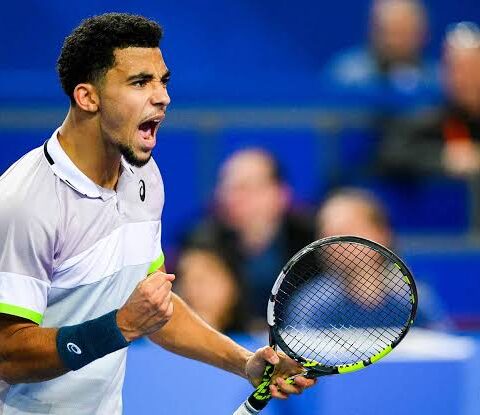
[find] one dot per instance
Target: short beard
(129, 155)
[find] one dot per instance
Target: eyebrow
(166, 76)
(140, 75)
(148, 76)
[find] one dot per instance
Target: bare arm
(28, 353)
(188, 335)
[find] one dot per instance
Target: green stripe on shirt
(155, 265)
(21, 312)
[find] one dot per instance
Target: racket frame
(313, 369)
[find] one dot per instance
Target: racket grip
(245, 409)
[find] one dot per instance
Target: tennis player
(80, 219)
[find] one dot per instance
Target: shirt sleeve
(26, 258)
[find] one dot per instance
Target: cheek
(121, 112)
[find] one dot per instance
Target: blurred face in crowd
(248, 194)
(462, 72)
(398, 29)
(351, 215)
(208, 286)
(358, 216)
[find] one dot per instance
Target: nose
(160, 94)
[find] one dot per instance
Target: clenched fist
(148, 308)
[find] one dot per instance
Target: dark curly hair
(88, 52)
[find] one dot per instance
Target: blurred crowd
(426, 121)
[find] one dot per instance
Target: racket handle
(246, 409)
(252, 405)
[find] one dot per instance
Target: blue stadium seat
(436, 205)
(454, 276)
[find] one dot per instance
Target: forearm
(188, 335)
(28, 353)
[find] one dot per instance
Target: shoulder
(29, 203)
(211, 232)
(28, 190)
(356, 54)
(352, 65)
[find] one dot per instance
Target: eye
(165, 81)
(140, 82)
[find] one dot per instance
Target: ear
(86, 97)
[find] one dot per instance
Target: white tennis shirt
(72, 251)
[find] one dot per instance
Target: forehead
(462, 63)
(344, 210)
(133, 60)
(395, 13)
(247, 167)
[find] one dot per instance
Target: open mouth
(149, 128)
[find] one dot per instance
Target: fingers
(158, 277)
(304, 382)
(154, 292)
(270, 355)
(148, 308)
(277, 393)
(283, 387)
(287, 387)
(157, 288)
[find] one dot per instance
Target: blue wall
(219, 52)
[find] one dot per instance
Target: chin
(135, 159)
(139, 161)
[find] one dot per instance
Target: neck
(474, 109)
(81, 138)
(256, 237)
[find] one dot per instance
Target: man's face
(247, 193)
(133, 100)
(208, 286)
(348, 216)
(399, 30)
(462, 76)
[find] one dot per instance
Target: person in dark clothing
(209, 284)
(254, 225)
(357, 212)
(445, 140)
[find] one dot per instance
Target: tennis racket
(339, 305)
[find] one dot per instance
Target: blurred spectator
(252, 222)
(357, 212)
(389, 73)
(445, 141)
(208, 283)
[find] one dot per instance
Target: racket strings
(342, 303)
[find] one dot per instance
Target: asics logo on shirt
(142, 190)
